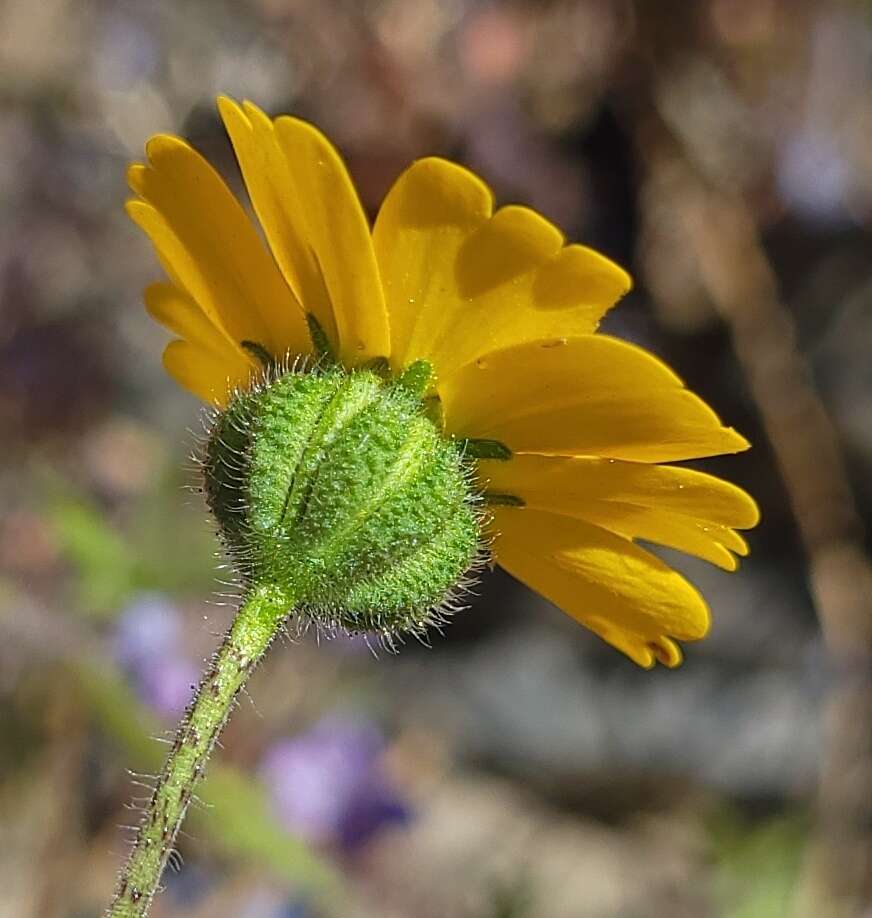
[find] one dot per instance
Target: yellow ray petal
(677, 507)
(315, 225)
(673, 530)
(425, 218)
(207, 375)
(460, 282)
(731, 539)
(593, 395)
(176, 311)
(623, 593)
(561, 483)
(211, 248)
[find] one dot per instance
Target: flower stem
(256, 624)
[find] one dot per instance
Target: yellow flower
(506, 314)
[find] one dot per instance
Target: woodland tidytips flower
(493, 318)
(392, 405)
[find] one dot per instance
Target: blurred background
(720, 150)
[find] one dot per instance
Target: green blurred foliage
(112, 560)
(757, 863)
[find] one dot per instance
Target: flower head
(489, 319)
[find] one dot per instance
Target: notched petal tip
(604, 267)
(626, 595)
(641, 655)
(667, 652)
(752, 510)
(135, 175)
(596, 395)
(581, 274)
(243, 116)
(644, 652)
(159, 145)
(729, 562)
(434, 190)
(232, 114)
(256, 113)
(738, 443)
(139, 212)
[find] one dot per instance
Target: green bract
(337, 489)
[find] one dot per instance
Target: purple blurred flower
(147, 629)
(814, 177)
(168, 684)
(126, 52)
(147, 647)
(330, 786)
(272, 904)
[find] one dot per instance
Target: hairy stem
(256, 624)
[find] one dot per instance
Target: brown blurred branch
(739, 279)
(742, 284)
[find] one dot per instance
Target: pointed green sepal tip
(494, 499)
(320, 342)
(260, 353)
(416, 378)
(485, 449)
(337, 488)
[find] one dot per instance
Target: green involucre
(336, 488)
